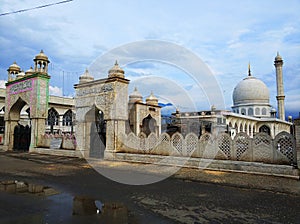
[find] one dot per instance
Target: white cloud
(55, 91)
(225, 34)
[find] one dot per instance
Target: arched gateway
(26, 92)
(101, 112)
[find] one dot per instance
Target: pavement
(235, 179)
(72, 187)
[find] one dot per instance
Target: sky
(224, 35)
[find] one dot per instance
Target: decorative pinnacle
(116, 63)
(249, 70)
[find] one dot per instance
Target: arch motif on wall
(242, 144)
(285, 143)
(225, 144)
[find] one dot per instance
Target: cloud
(225, 35)
(55, 91)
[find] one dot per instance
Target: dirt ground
(38, 188)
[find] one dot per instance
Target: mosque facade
(102, 114)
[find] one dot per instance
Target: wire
(37, 7)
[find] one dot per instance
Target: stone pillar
(115, 130)
(37, 130)
(9, 134)
(280, 90)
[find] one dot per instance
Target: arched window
(243, 111)
(53, 117)
(68, 118)
(264, 111)
(250, 111)
(265, 129)
(149, 125)
(257, 111)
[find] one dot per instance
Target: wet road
(78, 194)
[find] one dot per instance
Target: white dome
(250, 91)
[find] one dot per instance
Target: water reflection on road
(57, 207)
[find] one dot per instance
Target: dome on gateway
(251, 91)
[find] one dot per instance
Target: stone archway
(21, 132)
(109, 95)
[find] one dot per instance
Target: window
(265, 129)
(264, 111)
(68, 118)
(53, 117)
(243, 111)
(250, 111)
(257, 111)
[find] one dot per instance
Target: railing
(260, 148)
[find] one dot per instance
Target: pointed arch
(15, 110)
(68, 118)
(266, 129)
(149, 125)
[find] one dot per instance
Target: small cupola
(152, 100)
(116, 71)
(86, 77)
(135, 97)
(13, 70)
(41, 62)
(29, 71)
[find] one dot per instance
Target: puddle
(20, 187)
(108, 212)
(51, 206)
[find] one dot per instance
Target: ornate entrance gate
(101, 112)
(31, 89)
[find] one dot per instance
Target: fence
(260, 148)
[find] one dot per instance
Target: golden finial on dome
(249, 70)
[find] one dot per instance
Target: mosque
(251, 111)
(103, 107)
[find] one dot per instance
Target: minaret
(280, 91)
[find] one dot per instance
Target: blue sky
(226, 35)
